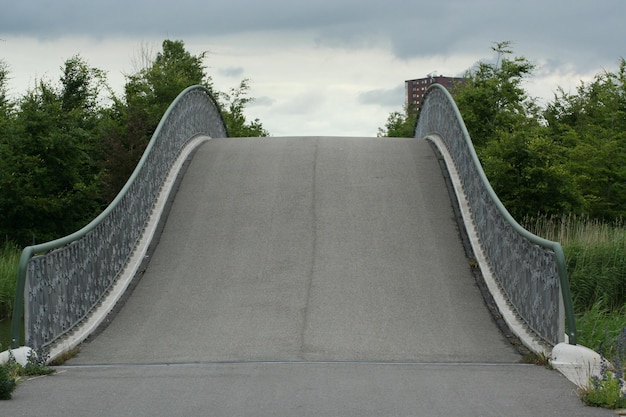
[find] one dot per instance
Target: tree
(233, 105)
(154, 87)
(7, 126)
(527, 167)
(492, 100)
(591, 124)
(49, 185)
(150, 91)
(147, 95)
(81, 86)
(67, 148)
(399, 125)
(4, 78)
(528, 170)
(6, 106)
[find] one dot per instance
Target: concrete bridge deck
(298, 249)
(306, 276)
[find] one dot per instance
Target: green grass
(595, 253)
(9, 261)
(598, 324)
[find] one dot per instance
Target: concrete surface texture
(305, 276)
(307, 249)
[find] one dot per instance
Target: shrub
(7, 379)
(7, 383)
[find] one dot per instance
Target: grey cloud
(393, 97)
(303, 104)
(262, 101)
(568, 31)
(235, 72)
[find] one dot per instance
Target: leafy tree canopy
(233, 105)
(49, 181)
(569, 157)
(67, 147)
(399, 125)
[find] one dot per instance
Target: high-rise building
(415, 89)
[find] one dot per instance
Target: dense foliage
(566, 158)
(67, 148)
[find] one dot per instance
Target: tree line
(567, 157)
(67, 148)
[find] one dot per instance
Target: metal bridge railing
(530, 270)
(60, 282)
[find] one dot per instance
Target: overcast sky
(323, 67)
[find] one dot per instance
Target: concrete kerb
(577, 363)
(20, 355)
(97, 317)
(507, 311)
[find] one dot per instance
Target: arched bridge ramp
(307, 249)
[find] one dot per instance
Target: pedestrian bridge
(316, 248)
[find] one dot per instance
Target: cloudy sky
(323, 67)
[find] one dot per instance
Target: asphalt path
(309, 276)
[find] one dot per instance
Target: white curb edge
(577, 363)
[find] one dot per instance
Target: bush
(7, 383)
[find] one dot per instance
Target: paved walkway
(305, 276)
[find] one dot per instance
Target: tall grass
(595, 253)
(9, 261)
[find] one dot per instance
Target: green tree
(492, 99)
(49, 185)
(591, 123)
(527, 167)
(399, 125)
(4, 78)
(233, 105)
(66, 149)
(528, 171)
(7, 126)
(6, 105)
(152, 89)
(147, 95)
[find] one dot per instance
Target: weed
(37, 363)
(607, 390)
(12, 371)
(539, 359)
(65, 356)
